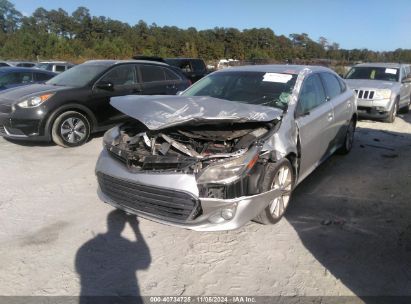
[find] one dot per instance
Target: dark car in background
(11, 77)
(23, 64)
(54, 66)
(193, 68)
(70, 106)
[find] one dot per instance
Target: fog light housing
(227, 214)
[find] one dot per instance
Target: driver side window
(312, 94)
(121, 75)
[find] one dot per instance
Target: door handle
(330, 116)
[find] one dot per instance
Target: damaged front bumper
(173, 198)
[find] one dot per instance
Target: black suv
(70, 106)
(193, 68)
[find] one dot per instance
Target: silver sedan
(229, 149)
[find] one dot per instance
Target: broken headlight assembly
(110, 135)
(227, 171)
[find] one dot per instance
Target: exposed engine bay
(182, 148)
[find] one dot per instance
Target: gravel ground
(347, 231)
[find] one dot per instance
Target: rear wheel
(70, 129)
(349, 139)
(279, 176)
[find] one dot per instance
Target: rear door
(314, 119)
(156, 80)
(405, 90)
(341, 103)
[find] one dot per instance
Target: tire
(70, 129)
(348, 139)
(393, 113)
(272, 179)
(406, 109)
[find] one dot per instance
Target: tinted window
(198, 65)
(312, 94)
(170, 75)
(121, 75)
(332, 85)
(150, 73)
(25, 65)
(42, 76)
(12, 78)
(2, 64)
(60, 68)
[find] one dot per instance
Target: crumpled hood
(370, 84)
(160, 112)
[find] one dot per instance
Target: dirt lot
(347, 231)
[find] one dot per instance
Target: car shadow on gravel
(107, 264)
(353, 214)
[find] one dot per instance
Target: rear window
(198, 65)
(332, 85)
(151, 73)
(170, 75)
(60, 68)
(42, 76)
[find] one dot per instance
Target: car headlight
(34, 101)
(382, 94)
(227, 171)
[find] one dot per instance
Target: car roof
(54, 62)
(23, 69)
(380, 65)
(113, 62)
(278, 68)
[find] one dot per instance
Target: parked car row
(52, 66)
(74, 104)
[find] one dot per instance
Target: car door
(154, 80)
(118, 81)
(341, 103)
(405, 90)
(314, 119)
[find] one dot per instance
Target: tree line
(56, 34)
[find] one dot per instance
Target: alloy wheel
(283, 182)
(73, 130)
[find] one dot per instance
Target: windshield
(269, 89)
(78, 76)
(374, 73)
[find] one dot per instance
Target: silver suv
(230, 149)
(382, 89)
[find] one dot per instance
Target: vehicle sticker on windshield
(277, 77)
(391, 71)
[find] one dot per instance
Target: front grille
(365, 94)
(159, 202)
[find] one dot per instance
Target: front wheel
(70, 129)
(393, 113)
(279, 176)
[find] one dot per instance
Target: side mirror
(105, 85)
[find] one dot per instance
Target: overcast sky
(377, 25)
